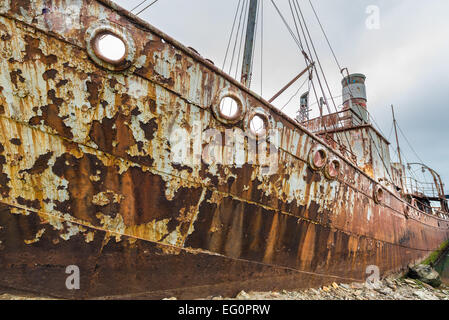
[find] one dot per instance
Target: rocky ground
(17, 296)
(387, 289)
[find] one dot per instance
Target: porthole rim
(107, 27)
(327, 170)
(313, 151)
(94, 44)
(265, 121)
(216, 106)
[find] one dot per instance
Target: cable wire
(236, 37)
(295, 94)
(244, 27)
(254, 46)
(325, 35)
(146, 7)
(298, 8)
(409, 144)
(138, 5)
(232, 32)
(288, 27)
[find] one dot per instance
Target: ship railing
(425, 189)
(327, 122)
(335, 121)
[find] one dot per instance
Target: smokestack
(354, 97)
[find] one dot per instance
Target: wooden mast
(249, 44)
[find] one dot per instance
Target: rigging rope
(244, 27)
(296, 25)
(288, 27)
(325, 35)
(236, 41)
(236, 37)
(297, 7)
(409, 144)
(146, 7)
(317, 58)
(297, 41)
(371, 117)
(295, 94)
(335, 97)
(391, 131)
(138, 5)
(306, 58)
(232, 32)
(254, 46)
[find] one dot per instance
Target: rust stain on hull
(87, 176)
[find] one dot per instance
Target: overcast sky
(406, 59)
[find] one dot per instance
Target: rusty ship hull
(86, 177)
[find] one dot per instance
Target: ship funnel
(354, 97)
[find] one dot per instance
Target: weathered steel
(88, 175)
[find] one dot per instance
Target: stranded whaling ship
(129, 168)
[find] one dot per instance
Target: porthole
(110, 46)
(378, 194)
(317, 158)
(229, 107)
(333, 169)
(258, 125)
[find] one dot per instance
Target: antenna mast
(249, 44)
